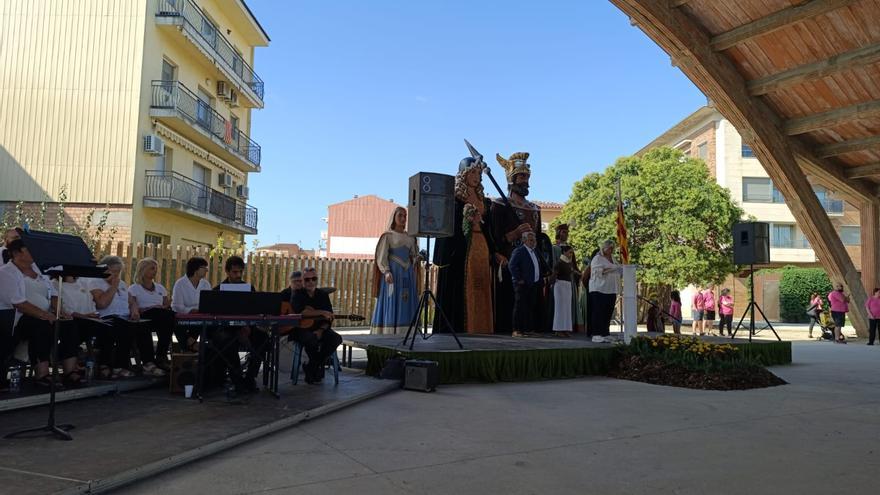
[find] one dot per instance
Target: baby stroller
(826, 325)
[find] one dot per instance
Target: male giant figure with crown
(510, 220)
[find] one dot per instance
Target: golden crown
(516, 164)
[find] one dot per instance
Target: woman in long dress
(562, 292)
(396, 257)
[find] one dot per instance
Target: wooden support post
(870, 240)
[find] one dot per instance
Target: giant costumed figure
(464, 261)
(511, 216)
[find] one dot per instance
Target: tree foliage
(678, 218)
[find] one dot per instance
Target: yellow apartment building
(142, 105)
(707, 135)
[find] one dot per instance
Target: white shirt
(11, 286)
(148, 298)
(16, 288)
(606, 283)
(76, 298)
(534, 263)
(185, 297)
(119, 305)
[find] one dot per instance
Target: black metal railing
(171, 186)
(173, 95)
(198, 23)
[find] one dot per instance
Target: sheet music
(235, 287)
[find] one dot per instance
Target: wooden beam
(775, 21)
(832, 118)
(833, 176)
(871, 170)
(775, 82)
(850, 146)
(678, 3)
(869, 216)
(719, 79)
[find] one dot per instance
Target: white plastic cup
(188, 391)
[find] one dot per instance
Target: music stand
(61, 255)
(420, 320)
(750, 310)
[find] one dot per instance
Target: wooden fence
(352, 278)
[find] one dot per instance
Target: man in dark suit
(526, 271)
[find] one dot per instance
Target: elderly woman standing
(114, 303)
(604, 284)
(396, 257)
(154, 304)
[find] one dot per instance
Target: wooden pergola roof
(800, 80)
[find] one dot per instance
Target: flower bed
(692, 363)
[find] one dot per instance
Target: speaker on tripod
(431, 214)
(751, 246)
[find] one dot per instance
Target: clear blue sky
(361, 95)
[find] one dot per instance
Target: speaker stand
(750, 310)
(419, 323)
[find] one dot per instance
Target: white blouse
(76, 298)
(391, 240)
(148, 298)
(185, 297)
(606, 283)
(119, 305)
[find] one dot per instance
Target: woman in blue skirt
(396, 256)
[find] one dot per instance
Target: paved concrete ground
(819, 434)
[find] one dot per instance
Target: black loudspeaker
(431, 205)
(751, 243)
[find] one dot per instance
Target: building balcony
(170, 190)
(180, 108)
(185, 17)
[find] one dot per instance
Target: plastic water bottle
(90, 362)
(15, 380)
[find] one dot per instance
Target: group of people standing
(498, 272)
(704, 309)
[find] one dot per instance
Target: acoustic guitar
(308, 323)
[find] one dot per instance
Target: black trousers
(318, 349)
(162, 322)
(873, 324)
(39, 334)
(526, 316)
(115, 342)
(601, 310)
(222, 353)
(726, 320)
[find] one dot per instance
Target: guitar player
(319, 341)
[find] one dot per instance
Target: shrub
(795, 288)
(688, 352)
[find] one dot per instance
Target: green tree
(678, 218)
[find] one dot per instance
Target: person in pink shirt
(725, 307)
(675, 311)
(873, 307)
(708, 310)
(814, 310)
(839, 307)
(697, 311)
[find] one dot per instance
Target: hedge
(795, 288)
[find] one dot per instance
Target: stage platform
(130, 436)
(497, 358)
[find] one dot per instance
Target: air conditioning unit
(223, 90)
(225, 180)
(154, 145)
(242, 191)
(233, 98)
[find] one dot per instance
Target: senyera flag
(621, 230)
